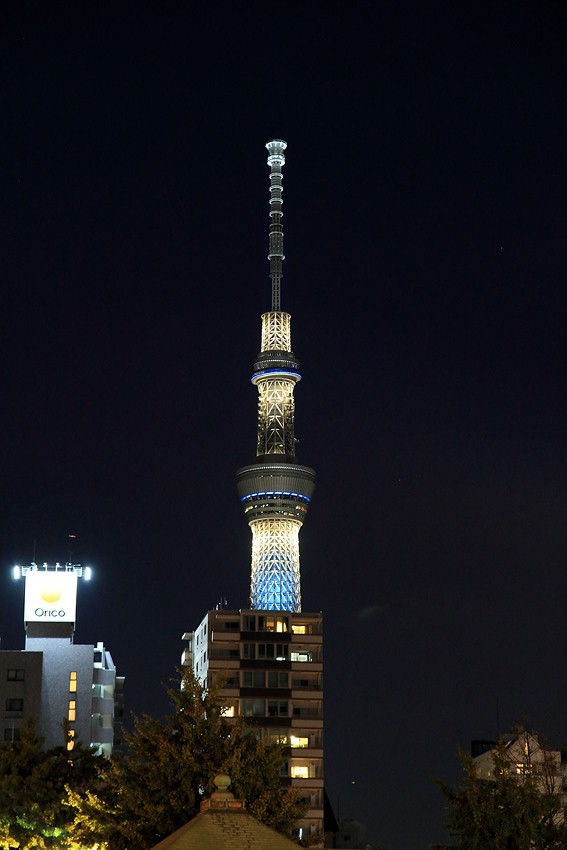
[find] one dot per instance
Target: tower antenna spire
(276, 161)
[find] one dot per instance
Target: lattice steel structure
(276, 490)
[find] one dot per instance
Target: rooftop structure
(224, 824)
(54, 679)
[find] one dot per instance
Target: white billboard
(51, 596)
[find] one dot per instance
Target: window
(279, 736)
(278, 680)
(71, 739)
(277, 708)
(299, 772)
(253, 707)
(301, 656)
(14, 704)
(73, 682)
(72, 715)
(249, 651)
(279, 651)
(295, 741)
(16, 674)
(299, 629)
(11, 733)
(273, 623)
(249, 623)
(253, 679)
(228, 711)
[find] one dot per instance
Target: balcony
(103, 677)
(102, 705)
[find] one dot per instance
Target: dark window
(254, 679)
(14, 704)
(16, 674)
(278, 680)
(249, 650)
(11, 734)
(253, 707)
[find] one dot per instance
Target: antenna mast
(276, 161)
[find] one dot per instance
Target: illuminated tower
(275, 491)
(268, 659)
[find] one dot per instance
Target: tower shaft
(275, 491)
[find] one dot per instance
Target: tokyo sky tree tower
(275, 491)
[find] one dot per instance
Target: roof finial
(276, 161)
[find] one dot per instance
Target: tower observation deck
(275, 491)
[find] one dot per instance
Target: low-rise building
(71, 689)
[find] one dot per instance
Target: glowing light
(278, 493)
(275, 417)
(275, 580)
(88, 573)
(276, 331)
(17, 572)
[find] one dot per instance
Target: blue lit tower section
(275, 491)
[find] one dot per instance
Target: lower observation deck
(281, 490)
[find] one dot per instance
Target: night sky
(426, 257)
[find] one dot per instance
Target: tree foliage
(170, 766)
(33, 782)
(508, 810)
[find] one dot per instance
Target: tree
(170, 766)
(516, 807)
(33, 784)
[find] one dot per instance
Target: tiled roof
(225, 830)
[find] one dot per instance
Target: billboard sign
(51, 596)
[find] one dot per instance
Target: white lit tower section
(275, 491)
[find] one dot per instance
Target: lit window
(299, 772)
(70, 739)
(299, 629)
(299, 742)
(301, 656)
(228, 711)
(72, 710)
(523, 769)
(275, 623)
(73, 682)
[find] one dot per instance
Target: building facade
(71, 689)
(270, 655)
(526, 756)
